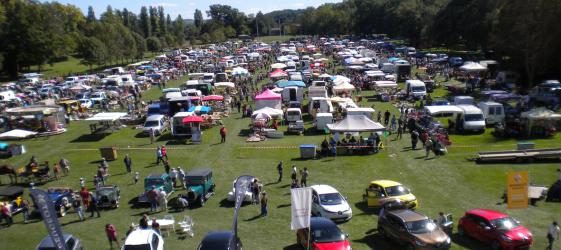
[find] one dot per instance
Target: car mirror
(346, 236)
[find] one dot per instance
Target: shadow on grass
(226, 203)
(468, 243)
(254, 218)
(293, 247)
(90, 138)
(245, 132)
(362, 206)
(283, 205)
(378, 242)
(284, 186)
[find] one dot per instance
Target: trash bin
(109, 153)
(307, 151)
(525, 145)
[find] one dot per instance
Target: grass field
(450, 183)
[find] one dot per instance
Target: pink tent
(268, 95)
(278, 73)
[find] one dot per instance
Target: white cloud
(164, 4)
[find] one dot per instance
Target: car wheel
(382, 232)
(495, 245)
(202, 200)
(461, 231)
(62, 211)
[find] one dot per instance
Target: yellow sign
(517, 189)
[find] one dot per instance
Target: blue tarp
(200, 109)
(284, 84)
(3, 145)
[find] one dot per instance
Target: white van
(127, 80)
(318, 91)
(322, 119)
(415, 88)
(208, 78)
(493, 112)
(321, 103)
(293, 94)
(469, 119)
(293, 114)
(388, 68)
(156, 122)
(8, 95)
(178, 128)
(463, 100)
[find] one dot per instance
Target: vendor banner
(301, 201)
(517, 189)
(242, 185)
(49, 215)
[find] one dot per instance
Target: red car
(496, 228)
(325, 235)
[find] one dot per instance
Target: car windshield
(418, 89)
(105, 192)
(506, 223)
(137, 247)
(397, 190)
(327, 234)
(97, 95)
(474, 117)
(331, 199)
(420, 226)
(153, 182)
(151, 124)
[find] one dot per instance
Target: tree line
(524, 35)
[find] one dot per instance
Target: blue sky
(187, 7)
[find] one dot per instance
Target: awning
(225, 84)
(109, 116)
(192, 118)
(200, 109)
(356, 123)
(284, 84)
(268, 95)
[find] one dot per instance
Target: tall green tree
(91, 15)
(92, 51)
(153, 44)
(162, 21)
(145, 24)
(179, 30)
(154, 20)
(198, 18)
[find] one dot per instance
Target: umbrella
(213, 98)
(192, 118)
(261, 116)
(278, 65)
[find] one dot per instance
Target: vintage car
(156, 181)
(381, 191)
(108, 196)
(62, 199)
(200, 185)
(248, 197)
(11, 196)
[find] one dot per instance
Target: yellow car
(381, 191)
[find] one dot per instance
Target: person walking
(77, 205)
(399, 132)
(85, 195)
(159, 155)
(164, 152)
(255, 190)
(386, 117)
(25, 210)
(173, 175)
(7, 214)
(223, 132)
(294, 172)
(428, 147)
(93, 206)
(264, 202)
(111, 232)
(279, 170)
(393, 123)
(65, 165)
(163, 200)
(552, 234)
(414, 139)
(181, 176)
(153, 199)
(128, 163)
(304, 178)
(152, 135)
(136, 177)
(379, 116)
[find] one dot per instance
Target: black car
(72, 243)
(108, 196)
(224, 240)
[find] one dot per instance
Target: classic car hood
(196, 189)
(146, 189)
(434, 237)
(337, 245)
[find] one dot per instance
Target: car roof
(217, 240)
(140, 237)
(487, 213)
(321, 222)
(47, 242)
(385, 183)
(106, 187)
(159, 176)
(324, 189)
(408, 215)
(154, 117)
(199, 172)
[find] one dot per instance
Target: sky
(187, 7)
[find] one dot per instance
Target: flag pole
(309, 235)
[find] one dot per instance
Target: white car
(248, 194)
(144, 239)
(86, 103)
(329, 203)
(97, 97)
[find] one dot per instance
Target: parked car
(200, 185)
(382, 191)
(12, 197)
(158, 123)
(98, 97)
(324, 234)
(412, 229)
(108, 196)
(71, 242)
(62, 199)
(224, 240)
(496, 228)
(329, 203)
(248, 197)
(156, 181)
(86, 103)
(143, 239)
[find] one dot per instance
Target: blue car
(62, 199)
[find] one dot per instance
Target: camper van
(208, 78)
(6, 96)
(322, 119)
(463, 100)
(388, 68)
(321, 103)
(127, 80)
(222, 77)
(403, 71)
(493, 112)
(415, 88)
(113, 80)
(319, 84)
(293, 114)
(204, 87)
(319, 91)
(469, 119)
(178, 128)
(292, 94)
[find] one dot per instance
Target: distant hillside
(189, 21)
(287, 16)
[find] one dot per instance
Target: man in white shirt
(552, 234)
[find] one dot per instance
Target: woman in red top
(164, 152)
(85, 194)
(111, 235)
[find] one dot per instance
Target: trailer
(528, 155)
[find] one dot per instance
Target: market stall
(106, 122)
(46, 120)
(268, 99)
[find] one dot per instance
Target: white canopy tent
(107, 116)
(225, 84)
(356, 123)
(472, 67)
(267, 111)
(17, 134)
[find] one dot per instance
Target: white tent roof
(343, 87)
(109, 116)
(356, 123)
(269, 111)
(17, 134)
(540, 114)
(473, 67)
(225, 84)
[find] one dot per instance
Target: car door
(392, 226)
(479, 228)
(316, 207)
(373, 195)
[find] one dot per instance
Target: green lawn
(450, 183)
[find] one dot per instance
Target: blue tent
(284, 84)
(200, 109)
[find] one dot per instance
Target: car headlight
(420, 243)
(506, 238)
(448, 240)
